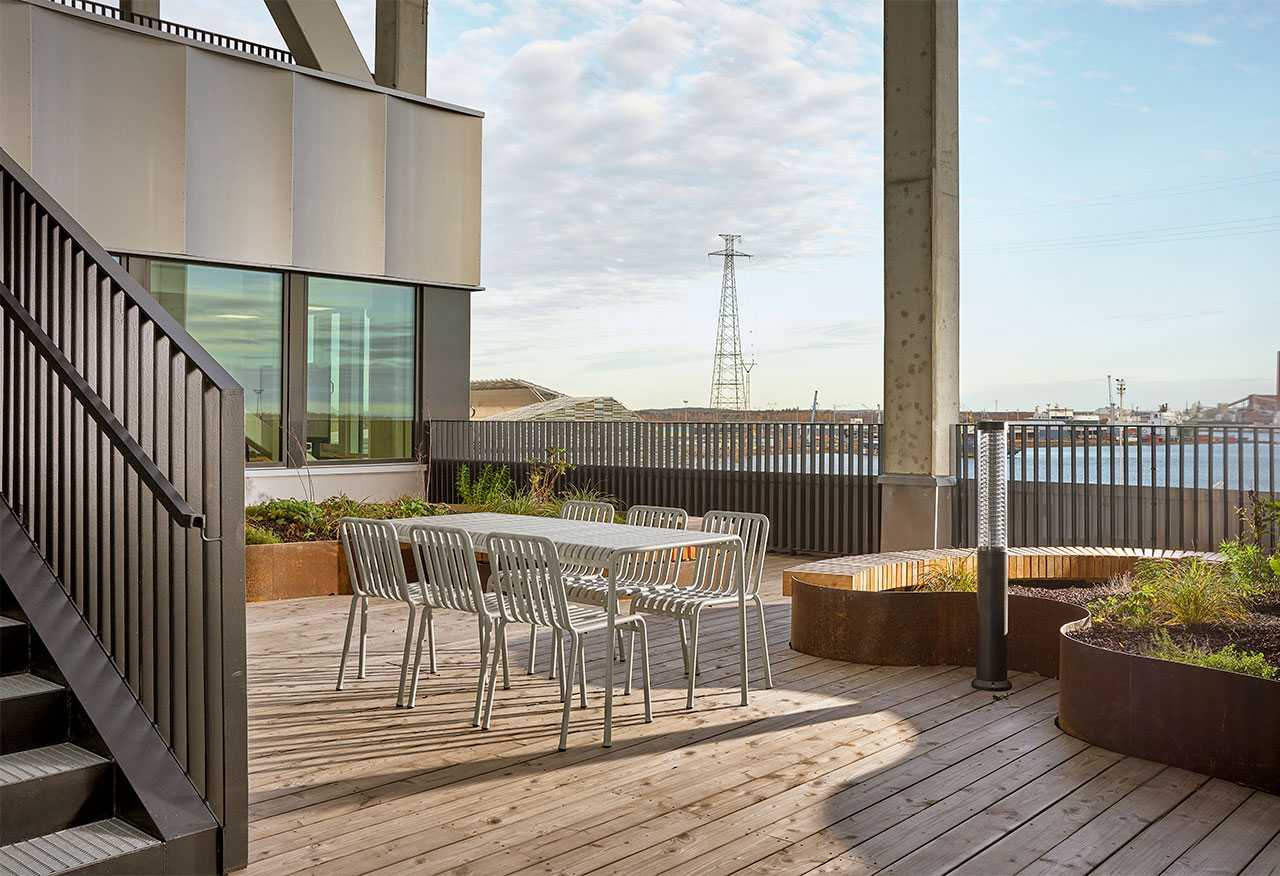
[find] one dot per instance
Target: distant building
(1254, 409)
(590, 409)
(491, 397)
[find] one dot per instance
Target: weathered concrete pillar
(318, 36)
(400, 54)
(129, 8)
(921, 271)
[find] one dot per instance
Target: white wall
(367, 481)
(160, 145)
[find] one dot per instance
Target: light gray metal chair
(574, 509)
(714, 586)
(530, 589)
(446, 561)
(376, 569)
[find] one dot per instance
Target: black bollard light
(993, 557)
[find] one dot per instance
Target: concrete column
(129, 8)
(318, 36)
(921, 271)
(400, 56)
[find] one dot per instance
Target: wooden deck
(840, 768)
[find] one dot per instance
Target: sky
(1119, 178)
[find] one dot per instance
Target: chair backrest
(658, 516)
(446, 561)
(374, 562)
(592, 512)
(715, 568)
(527, 580)
(656, 568)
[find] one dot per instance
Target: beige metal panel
(108, 121)
(239, 160)
(339, 148)
(15, 81)
(433, 193)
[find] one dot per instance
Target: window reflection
(238, 316)
(359, 370)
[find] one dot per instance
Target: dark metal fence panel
(247, 47)
(816, 482)
(1126, 485)
(124, 460)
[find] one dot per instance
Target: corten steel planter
(903, 628)
(1206, 720)
(303, 568)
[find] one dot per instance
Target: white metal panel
(108, 122)
(433, 193)
(239, 160)
(339, 149)
(15, 81)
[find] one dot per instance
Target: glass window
(359, 370)
(238, 316)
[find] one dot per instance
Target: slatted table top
(578, 540)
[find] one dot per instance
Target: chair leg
(693, 657)
(493, 677)
(404, 660)
(506, 675)
(684, 644)
(484, 649)
(622, 646)
(631, 655)
(557, 656)
(431, 641)
(574, 651)
(582, 670)
(424, 627)
(764, 643)
(364, 632)
(644, 669)
(533, 649)
(346, 643)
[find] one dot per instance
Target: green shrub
(1248, 565)
(259, 535)
(1132, 610)
(1191, 591)
(493, 486)
(289, 520)
(1229, 658)
(953, 575)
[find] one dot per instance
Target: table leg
(611, 604)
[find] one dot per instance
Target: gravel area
(1262, 633)
(1074, 592)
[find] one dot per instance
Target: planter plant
(292, 548)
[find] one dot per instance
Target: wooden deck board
(839, 768)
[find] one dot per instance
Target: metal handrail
(165, 492)
(173, 28)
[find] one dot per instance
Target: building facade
(319, 234)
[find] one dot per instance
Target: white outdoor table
(600, 545)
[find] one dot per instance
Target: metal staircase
(123, 741)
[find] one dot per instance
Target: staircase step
(13, 645)
(108, 846)
(43, 790)
(32, 712)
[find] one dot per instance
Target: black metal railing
(816, 482)
(123, 458)
(172, 28)
(1125, 485)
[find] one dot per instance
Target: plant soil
(1075, 592)
(1261, 632)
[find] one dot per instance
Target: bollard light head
(993, 484)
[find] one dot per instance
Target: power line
(1164, 234)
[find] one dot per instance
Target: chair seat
(594, 589)
(680, 601)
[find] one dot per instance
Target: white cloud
(1195, 38)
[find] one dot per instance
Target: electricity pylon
(728, 373)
